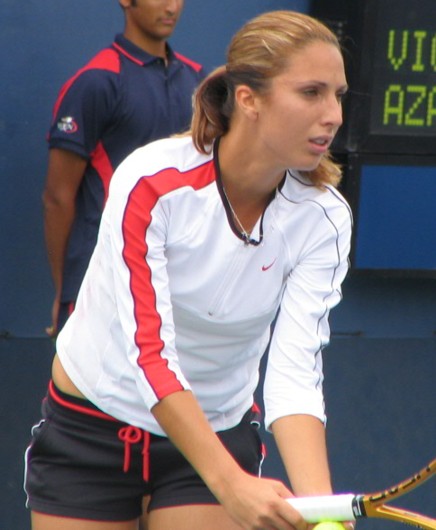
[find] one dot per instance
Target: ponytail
(213, 107)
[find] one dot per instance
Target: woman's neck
(248, 186)
(245, 174)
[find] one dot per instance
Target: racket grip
(325, 508)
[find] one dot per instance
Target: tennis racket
(347, 507)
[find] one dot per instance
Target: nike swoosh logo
(266, 267)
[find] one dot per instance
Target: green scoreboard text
(403, 98)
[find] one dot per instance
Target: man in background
(133, 92)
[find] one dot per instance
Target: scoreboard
(404, 72)
(387, 144)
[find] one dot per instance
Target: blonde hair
(258, 52)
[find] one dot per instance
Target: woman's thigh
(192, 517)
(143, 520)
(41, 521)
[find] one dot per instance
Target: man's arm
(64, 174)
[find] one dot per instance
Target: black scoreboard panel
(390, 53)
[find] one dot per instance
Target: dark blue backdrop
(380, 365)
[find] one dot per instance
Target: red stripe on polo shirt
(107, 59)
(128, 55)
(195, 66)
(136, 222)
(101, 163)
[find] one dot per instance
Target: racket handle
(325, 508)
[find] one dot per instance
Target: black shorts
(84, 464)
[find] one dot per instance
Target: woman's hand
(260, 504)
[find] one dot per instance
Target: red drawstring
(133, 435)
(146, 456)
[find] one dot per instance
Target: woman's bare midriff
(62, 380)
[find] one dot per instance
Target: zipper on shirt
(231, 276)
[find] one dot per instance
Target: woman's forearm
(184, 422)
(301, 442)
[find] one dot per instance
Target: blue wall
(381, 363)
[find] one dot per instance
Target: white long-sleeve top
(174, 299)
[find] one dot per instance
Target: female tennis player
(205, 239)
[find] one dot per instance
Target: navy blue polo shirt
(122, 99)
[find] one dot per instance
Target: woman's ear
(247, 101)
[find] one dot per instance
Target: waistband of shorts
(77, 405)
(86, 408)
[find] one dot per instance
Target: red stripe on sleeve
(137, 219)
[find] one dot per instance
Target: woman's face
(302, 111)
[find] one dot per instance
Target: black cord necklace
(246, 236)
(237, 227)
